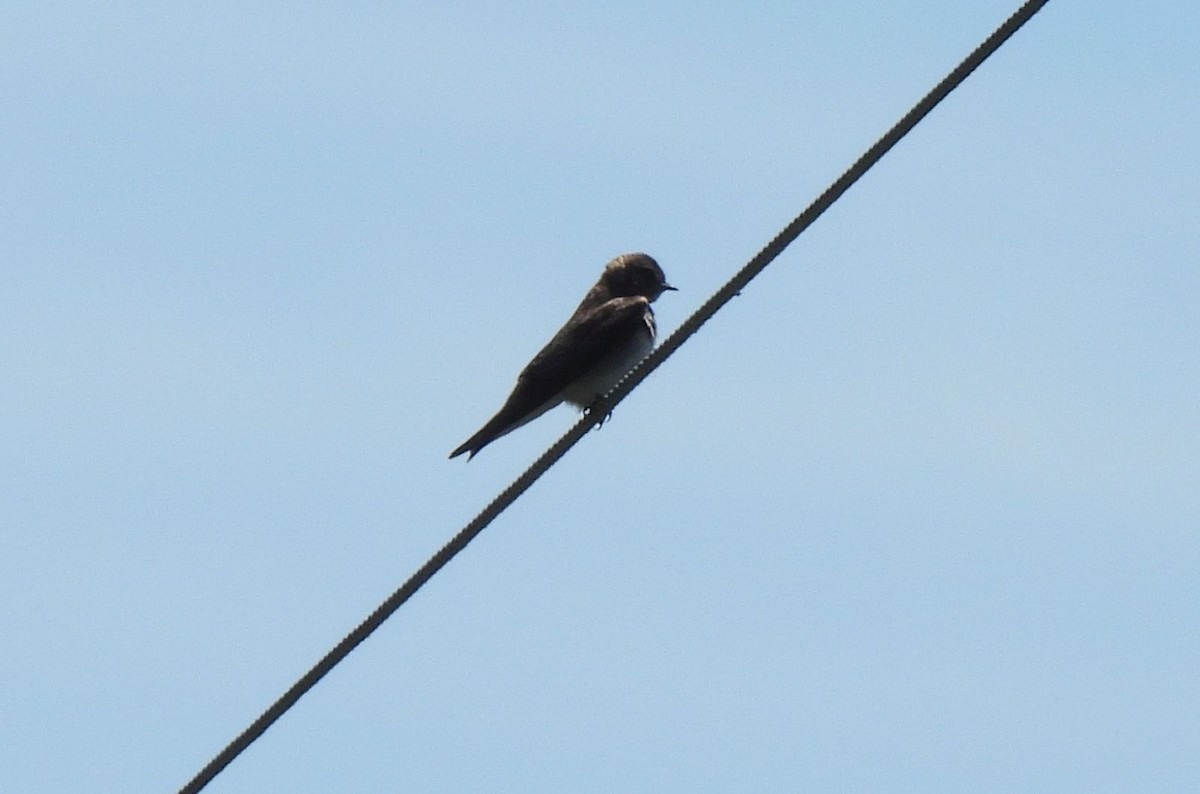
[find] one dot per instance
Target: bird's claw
(592, 409)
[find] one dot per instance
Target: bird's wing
(577, 347)
(583, 343)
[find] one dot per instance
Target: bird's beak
(669, 288)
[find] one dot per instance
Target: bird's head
(634, 274)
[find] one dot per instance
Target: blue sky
(916, 512)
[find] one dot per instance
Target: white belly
(608, 373)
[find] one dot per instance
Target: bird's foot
(591, 409)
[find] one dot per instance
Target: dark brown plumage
(609, 333)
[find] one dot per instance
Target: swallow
(609, 333)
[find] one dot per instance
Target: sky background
(919, 511)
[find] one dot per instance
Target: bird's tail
(510, 417)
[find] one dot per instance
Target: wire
(603, 408)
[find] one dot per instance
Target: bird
(608, 334)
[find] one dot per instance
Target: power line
(539, 467)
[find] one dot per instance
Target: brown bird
(611, 331)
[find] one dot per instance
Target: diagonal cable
(710, 307)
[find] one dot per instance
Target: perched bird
(611, 331)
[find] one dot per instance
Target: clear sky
(919, 511)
